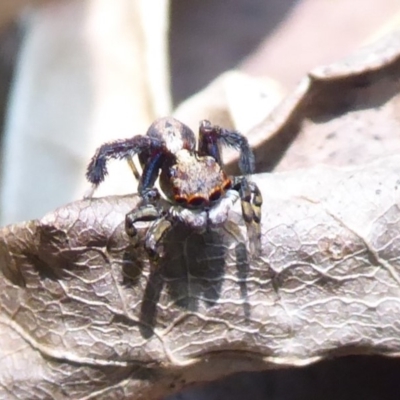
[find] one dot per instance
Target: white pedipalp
(215, 216)
(219, 213)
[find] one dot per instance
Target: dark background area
(209, 37)
(347, 378)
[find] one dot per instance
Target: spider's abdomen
(175, 135)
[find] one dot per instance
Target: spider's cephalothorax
(192, 179)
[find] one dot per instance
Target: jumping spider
(198, 191)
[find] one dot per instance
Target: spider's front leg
(119, 150)
(146, 211)
(155, 233)
(154, 238)
(149, 210)
(211, 137)
(251, 202)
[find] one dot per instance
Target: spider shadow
(132, 266)
(192, 272)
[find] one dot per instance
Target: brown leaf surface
(346, 113)
(82, 303)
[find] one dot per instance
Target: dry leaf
(88, 302)
(342, 114)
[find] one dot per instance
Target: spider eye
(197, 201)
(180, 200)
(215, 195)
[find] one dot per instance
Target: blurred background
(74, 74)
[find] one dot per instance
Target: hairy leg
(211, 137)
(251, 202)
